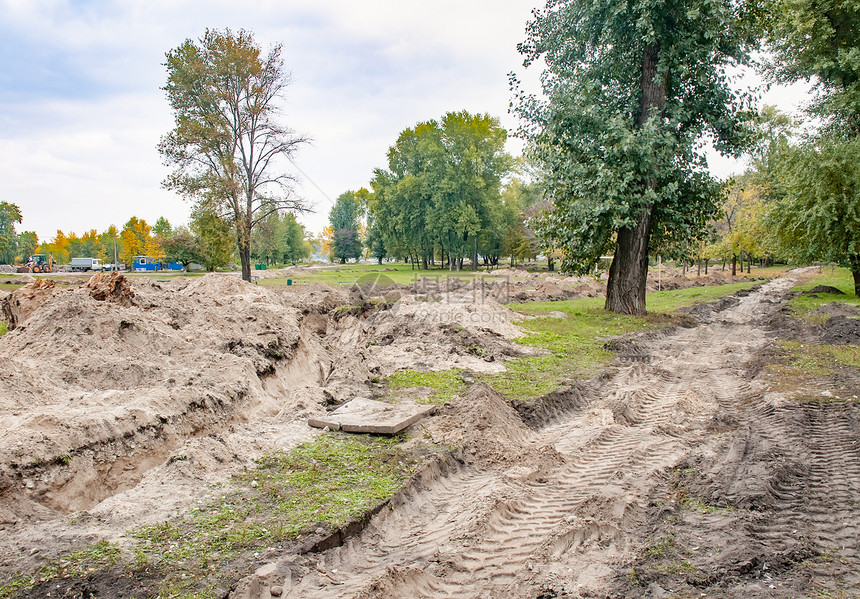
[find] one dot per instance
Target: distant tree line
(208, 241)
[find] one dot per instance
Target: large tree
(815, 213)
(819, 41)
(632, 90)
(214, 244)
(441, 187)
(228, 150)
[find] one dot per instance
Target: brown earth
(103, 384)
(675, 473)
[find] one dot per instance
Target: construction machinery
(38, 263)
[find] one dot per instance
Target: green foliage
(345, 219)
(28, 241)
(3, 329)
(280, 238)
(816, 213)
(181, 246)
(445, 383)
(819, 40)
(215, 241)
(9, 215)
(441, 187)
(632, 89)
(162, 228)
(226, 148)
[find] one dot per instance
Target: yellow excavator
(38, 263)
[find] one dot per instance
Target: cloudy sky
(81, 110)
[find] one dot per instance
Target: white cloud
(82, 112)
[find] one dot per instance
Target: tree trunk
(550, 264)
(855, 270)
(706, 265)
(625, 292)
(243, 234)
(734, 265)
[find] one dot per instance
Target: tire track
(559, 511)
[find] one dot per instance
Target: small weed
(676, 567)
(3, 329)
(661, 548)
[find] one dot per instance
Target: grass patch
(445, 383)
(11, 286)
(801, 362)
(3, 329)
(804, 306)
(666, 302)
(326, 482)
(576, 346)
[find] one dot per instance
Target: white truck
(85, 264)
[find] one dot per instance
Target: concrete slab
(368, 416)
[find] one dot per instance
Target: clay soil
(677, 472)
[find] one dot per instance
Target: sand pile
(116, 388)
(456, 330)
(97, 374)
(19, 306)
(483, 424)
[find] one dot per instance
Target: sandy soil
(674, 473)
(678, 475)
(106, 384)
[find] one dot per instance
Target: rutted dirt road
(677, 475)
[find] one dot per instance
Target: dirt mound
(112, 287)
(824, 289)
(483, 424)
(24, 302)
(103, 381)
(841, 330)
(838, 309)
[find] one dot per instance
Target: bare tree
(228, 152)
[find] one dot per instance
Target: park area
(155, 437)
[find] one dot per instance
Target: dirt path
(586, 504)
